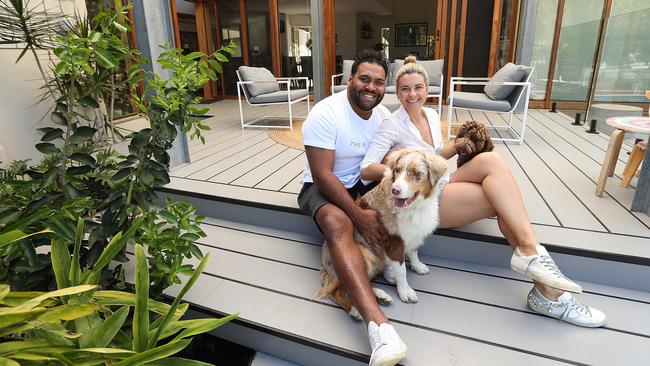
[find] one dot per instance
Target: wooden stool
(636, 156)
(621, 125)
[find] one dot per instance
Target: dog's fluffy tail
(329, 284)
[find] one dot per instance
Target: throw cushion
(508, 73)
(397, 64)
(347, 70)
(433, 69)
(268, 83)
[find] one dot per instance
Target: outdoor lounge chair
(434, 72)
(345, 75)
(502, 94)
(262, 89)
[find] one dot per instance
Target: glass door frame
(548, 101)
(202, 19)
(447, 40)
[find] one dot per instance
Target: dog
(407, 202)
(472, 139)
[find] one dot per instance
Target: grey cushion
(480, 101)
(347, 70)
(390, 89)
(433, 69)
(279, 96)
(397, 64)
(508, 73)
(267, 84)
(338, 88)
(433, 90)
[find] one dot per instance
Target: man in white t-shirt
(336, 135)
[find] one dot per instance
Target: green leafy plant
(80, 324)
(170, 235)
(80, 176)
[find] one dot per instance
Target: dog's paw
(383, 297)
(407, 294)
(389, 276)
(420, 268)
(354, 314)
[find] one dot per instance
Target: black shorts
(311, 199)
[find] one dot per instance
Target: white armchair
(342, 83)
(504, 98)
(262, 89)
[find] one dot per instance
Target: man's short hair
(371, 56)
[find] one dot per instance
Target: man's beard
(358, 101)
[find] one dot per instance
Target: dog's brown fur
(381, 200)
(472, 139)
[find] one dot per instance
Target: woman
(483, 187)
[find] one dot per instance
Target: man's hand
(369, 226)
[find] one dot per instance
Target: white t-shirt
(398, 130)
(333, 125)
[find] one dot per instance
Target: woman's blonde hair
(411, 66)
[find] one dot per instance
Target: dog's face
(414, 175)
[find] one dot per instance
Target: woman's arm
(386, 137)
(449, 150)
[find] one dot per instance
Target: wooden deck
(265, 258)
(556, 168)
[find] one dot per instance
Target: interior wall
(20, 89)
(404, 11)
(346, 26)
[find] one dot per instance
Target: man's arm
(321, 164)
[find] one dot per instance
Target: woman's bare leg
(500, 189)
(462, 203)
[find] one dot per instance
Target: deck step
(468, 313)
(597, 258)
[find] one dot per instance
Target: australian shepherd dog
(407, 202)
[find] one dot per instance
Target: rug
(293, 138)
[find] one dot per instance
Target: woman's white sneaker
(542, 268)
(387, 347)
(566, 308)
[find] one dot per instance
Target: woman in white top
(483, 187)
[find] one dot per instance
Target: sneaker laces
(578, 306)
(549, 263)
(376, 339)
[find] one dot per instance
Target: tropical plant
(80, 324)
(170, 235)
(80, 177)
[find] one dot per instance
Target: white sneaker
(387, 347)
(566, 308)
(542, 268)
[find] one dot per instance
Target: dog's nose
(396, 190)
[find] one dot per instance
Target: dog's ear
(394, 155)
(437, 167)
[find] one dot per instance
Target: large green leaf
(105, 333)
(105, 58)
(52, 134)
(14, 316)
(84, 158)
(46, 148)
(141, 311)
(177, 300)
(4, 290)
(15, 235)
(52, 294)
(75, 269)
(155, 353)
(7, 348)
(67, 312)
(60, 263)
(198, 326)
(119, 298)
(8, 362)
(114, 247)
(180, 311)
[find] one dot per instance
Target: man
(336, 135)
